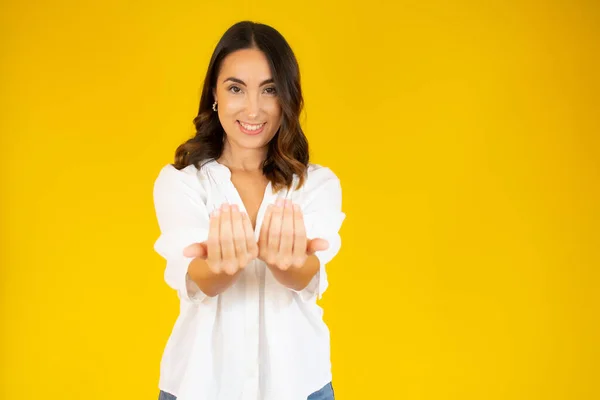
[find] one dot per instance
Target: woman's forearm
(297, 278)
(208, 282)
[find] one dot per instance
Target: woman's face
(247, 101)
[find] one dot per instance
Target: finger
(263, 239)
(196, 250)
(239, 236)
(226, 240)
(213, 243)
(299, 251)
(251, 245)
(315, 245)
(286, 245)
(275, 232)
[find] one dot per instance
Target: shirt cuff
(317, 285)
(170, 246)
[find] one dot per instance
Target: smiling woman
(252, 87)
(247, 228)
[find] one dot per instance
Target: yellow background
(467, 139)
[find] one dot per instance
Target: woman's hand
(230, 246)
(282, 242)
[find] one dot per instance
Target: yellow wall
(466, 137)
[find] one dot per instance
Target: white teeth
(251, 127)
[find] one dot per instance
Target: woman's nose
(253, 107)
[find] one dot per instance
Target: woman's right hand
(230, 246)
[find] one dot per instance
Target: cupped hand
(282, 243)
(230, 245)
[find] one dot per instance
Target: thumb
(315, 245)
(196, 250)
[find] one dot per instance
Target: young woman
(247, 227)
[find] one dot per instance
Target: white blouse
(258, 340)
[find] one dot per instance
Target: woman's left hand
(282, 242)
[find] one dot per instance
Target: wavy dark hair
(288, 150)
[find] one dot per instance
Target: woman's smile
(251, 129)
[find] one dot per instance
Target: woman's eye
(235, 89)
(270, 90)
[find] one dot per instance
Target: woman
(247, 226)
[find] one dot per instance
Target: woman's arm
(209, 282)
(297, 278)
(230, 247)
(296, 243)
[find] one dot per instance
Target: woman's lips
(251, 129)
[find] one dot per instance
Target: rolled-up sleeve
(323, 218)
(183, 219)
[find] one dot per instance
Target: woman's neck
(247, 160)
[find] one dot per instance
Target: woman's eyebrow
(241, 82)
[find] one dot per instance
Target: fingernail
(225, 207)
(234, 207)
(280, 202)
(215, 213)
(288, 204)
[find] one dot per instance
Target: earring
(215, 106)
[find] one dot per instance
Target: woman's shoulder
(320, 172)
(318, 176)
(170, 178)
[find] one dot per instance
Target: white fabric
(258, 340)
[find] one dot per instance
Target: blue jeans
(325, 393)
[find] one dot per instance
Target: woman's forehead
(248, 65)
